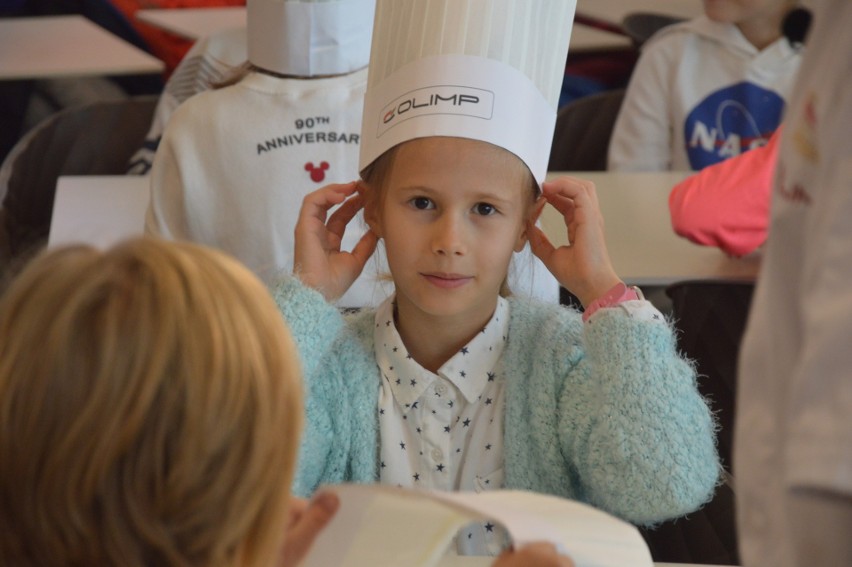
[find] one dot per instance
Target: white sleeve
(641, 138)
(820, 452)
(167, 212)
(209, 61)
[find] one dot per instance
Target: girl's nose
(448, 238)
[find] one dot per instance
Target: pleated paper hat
(489, 70)
(309, 37)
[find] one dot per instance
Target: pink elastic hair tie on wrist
(619, 293)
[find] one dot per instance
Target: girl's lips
(447, 281)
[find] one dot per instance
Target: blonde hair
(150, 408)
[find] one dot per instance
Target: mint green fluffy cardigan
(604, 412)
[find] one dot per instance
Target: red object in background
(166, 46)
(727, 204)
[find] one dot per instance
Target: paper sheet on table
(98, 210)
(379, 525)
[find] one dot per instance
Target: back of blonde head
(150, 406)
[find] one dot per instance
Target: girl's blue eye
(484, 209)
(422, 203)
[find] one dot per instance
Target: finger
(540, 203)
(562, 200)
(365, 248)
(541, 245)
(341, 218)
(564, 205)
(317, 204)
(572, 188)
(587, 186)
(297, 507)
(313, 519)
(583, 204)
(543, 554)
(540, 554)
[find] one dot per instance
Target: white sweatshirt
(699, 94)
(234, 165)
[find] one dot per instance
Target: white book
(386, 526)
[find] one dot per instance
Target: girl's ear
(531, 218)
(371, 208)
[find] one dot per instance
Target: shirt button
(441, 389)
(437, 454)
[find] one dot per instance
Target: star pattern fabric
(444, 430)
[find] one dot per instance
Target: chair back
(710, 318)
(640, 26)
(583, 130)
(92, 139)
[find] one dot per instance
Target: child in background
(707, 89)
(150, 403)
(452, 384)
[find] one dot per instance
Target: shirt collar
(469, 370)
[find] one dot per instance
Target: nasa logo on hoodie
(729, 122)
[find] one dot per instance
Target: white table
(612, 12)
(98, 210)
(585, 38)
(642, 245)
(67, 46)
(193, 23)
(101, 210)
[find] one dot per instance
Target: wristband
(618, 293)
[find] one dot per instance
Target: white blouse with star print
(444, 431)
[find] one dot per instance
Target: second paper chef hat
(489, 70)
(309, 37)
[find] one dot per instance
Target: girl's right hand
(318, 261)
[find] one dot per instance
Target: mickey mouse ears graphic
(489, 70)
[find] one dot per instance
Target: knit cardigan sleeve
(341, 387)
(641, 437)
(606, 412)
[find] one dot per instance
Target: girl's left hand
(318, 260)
(583, 266)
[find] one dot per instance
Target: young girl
(450, 384)
(149, 406)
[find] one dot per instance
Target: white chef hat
(488, 70)
(309, 37)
